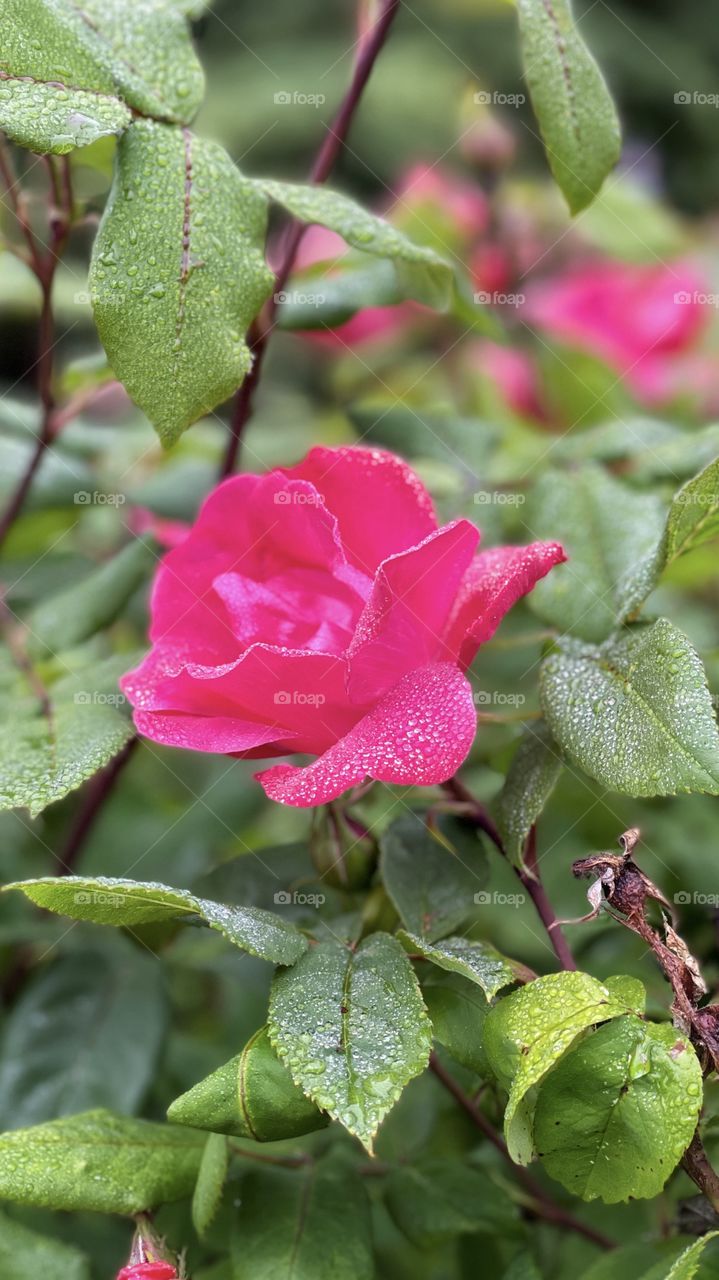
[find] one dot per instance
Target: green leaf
(439, 1199)
(71, 1041)
(125, 903)
(692, 520)
(147, 50)
(52, 119)
(63, 737)
(100, 1162)
(421, 273)
(252, 1096)
(606, 528)
(687, 1265)
(352, 1028)
(526, 1034)
(71, 616)
(636, 713)
(178, 274)
(457, 1009)
(309, 1225)
(624, 989)
(573, 106)
(210, 1183)
(431, 882)
(529, 782)
(25, 1255)
(480, 962)
(615, 1116)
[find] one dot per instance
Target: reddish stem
(324, 162)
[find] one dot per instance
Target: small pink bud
(148, 1271)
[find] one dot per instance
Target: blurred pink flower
(513, 372)
(321, 609)
(641, 320)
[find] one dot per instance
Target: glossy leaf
(99, 1161)
(25, 1255)
(178, 274)
(606, 529)
(479, 962)
(62, 736)
(352, 1028)
(112, 901)
(573, 106)
(70, 1043)
(252, 1096)
(432, 883)
(210, 1183)
(530, 781)
(527, 1032)
(71, 616)
(687, 1264)
(421, 272)
(313, 1224)
(636, 713)
(53, 120)
(457, 1009)
(616, 1114)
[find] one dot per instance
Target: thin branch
(324, 162)
(528, 875)
(543, 1205)
(697, 1164)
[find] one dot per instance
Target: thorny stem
(528, 875)
(696, 1163)
(324, 162)
(543, 1205)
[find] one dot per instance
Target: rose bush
(321, 609)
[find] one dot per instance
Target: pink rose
(641, 320)
(320, 609)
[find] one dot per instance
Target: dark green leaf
(71, 616)
(421, 272)
(530, 781)
(24, 1255)
(572, 103)
(606, 528)
(51, 119)
(615, 1116)
(107, 900)
(210, 1182)
(56, 745)
(457, 1009)
(252, 1096)
(72, 1043)
(527, 1032)
(309, 1225)
(439, 1199)
(431, 883)
(636, 713)
(352, 1028)
(99, 1161)
(178, 274)
(479, 962)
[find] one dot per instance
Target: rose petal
(380, 505)
(418, 734)
(403, 621)
(226, 735)
(495, 580)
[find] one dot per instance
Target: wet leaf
(479, 962)
(210, 1182)
(251, 1096)
(615, 1116)
(53, 120)
(112, 901)
(527, 1032)
(575, 111)
(457, 1009)
(431, 882)
(439, 1199)
(25, 1255)
(99, 1161)
(636, 713)
(352, 1028)
(530, 781)
(178, 274)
